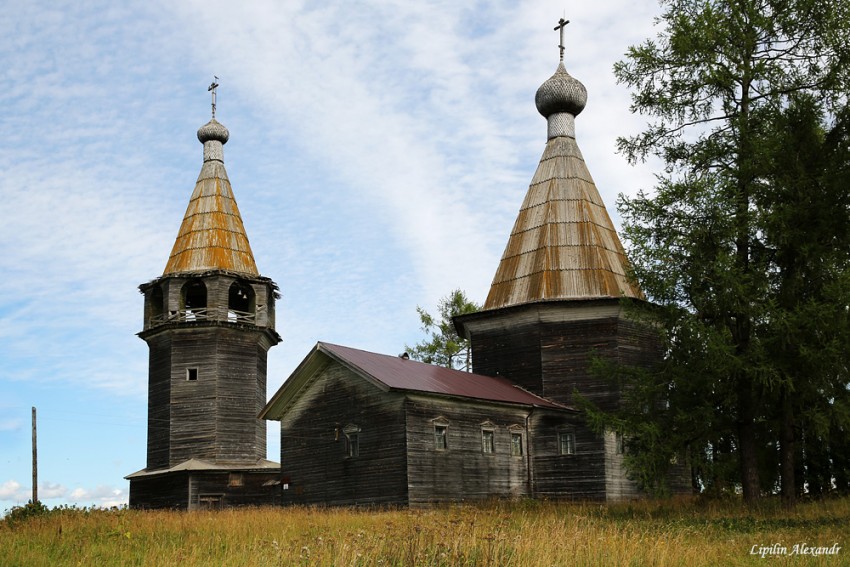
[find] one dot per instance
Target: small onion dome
(560, 93)
(213, 130)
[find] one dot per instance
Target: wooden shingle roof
(563, 245)
(212, 236)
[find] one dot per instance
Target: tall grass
(524, 533)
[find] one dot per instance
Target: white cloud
(11, 490)
(101, 496)
(50, 491)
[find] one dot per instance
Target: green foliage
(445, 347)
(743, 245)
(20, 514)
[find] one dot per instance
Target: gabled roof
(395, 373)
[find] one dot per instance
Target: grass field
(688, 533)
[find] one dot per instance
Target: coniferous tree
(445, 347)
(805, 230)
(751, 298)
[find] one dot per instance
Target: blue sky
(379, 152)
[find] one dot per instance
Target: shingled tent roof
(395, 373)
(563, 245)
(212, 236)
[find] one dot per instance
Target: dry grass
(526, 533)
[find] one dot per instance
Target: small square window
(488, 441)
(191, 374)
(235, 479)
(441, 437)
(516, 444)
(566, 443)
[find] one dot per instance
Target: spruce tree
(751, 297)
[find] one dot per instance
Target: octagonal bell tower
(209, 322)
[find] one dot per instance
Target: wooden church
(360, 428)
(365, 428)
(209, 322)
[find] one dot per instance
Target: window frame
(568, 448)
(517, 449)
(488, 440)
(351, 433)
(441, 437)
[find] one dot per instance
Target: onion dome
(560, 93)
(213, 130)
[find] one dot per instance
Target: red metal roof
(400, 374)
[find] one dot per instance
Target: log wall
(314, 461)
(463, 471)
(549, 349)
(193, 490)
(580, 476)
(162, 491)
(214, 417)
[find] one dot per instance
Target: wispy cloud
(11, 490)
(379, 153)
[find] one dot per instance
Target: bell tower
(209, 321)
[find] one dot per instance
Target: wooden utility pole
(34, 460)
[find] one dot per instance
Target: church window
(566, 443)
(352, 441)
(516, 444)
(191, 374)
(488, 437)
(441, 437)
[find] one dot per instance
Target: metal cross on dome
(561, 25)
(214, 86)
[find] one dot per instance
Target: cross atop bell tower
(214, 86)
(562, 23)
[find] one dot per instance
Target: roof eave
(546, 404)
(460, 321)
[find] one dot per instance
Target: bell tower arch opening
(155, 306)
(241, 303)
(193, 297)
